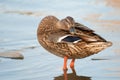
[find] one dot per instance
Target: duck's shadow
(71, 76)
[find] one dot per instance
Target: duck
(69, 39)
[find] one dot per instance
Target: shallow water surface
(18, 25)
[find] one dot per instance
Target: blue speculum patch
(71, 38)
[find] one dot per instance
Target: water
(18, 24)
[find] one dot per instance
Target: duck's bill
(72, 30)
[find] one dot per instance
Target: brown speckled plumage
(49, 32)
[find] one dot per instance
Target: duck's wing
(70, 38)
(87, 34)
(83, 33)
(55, 36)
(63, 36)
(83, 27)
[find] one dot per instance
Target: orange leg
(72, 63)
(65, 75)
(65, 63)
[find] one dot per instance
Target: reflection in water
(71, 76)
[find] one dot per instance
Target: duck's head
(67, 24)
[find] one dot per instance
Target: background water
(19, 20)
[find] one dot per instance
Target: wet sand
(18, 24)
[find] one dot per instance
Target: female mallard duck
(69, 39)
